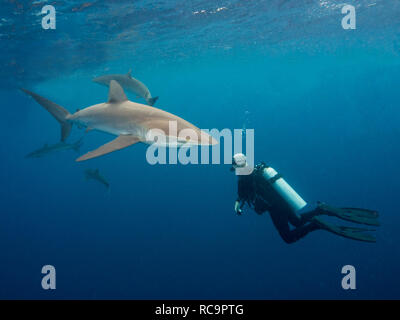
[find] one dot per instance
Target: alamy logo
(349, 20)
(349, 280)
(189, 146)
(49, 20)
(49, 280)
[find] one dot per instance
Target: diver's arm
(245, 192)
(238, 206)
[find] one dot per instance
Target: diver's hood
(238, 161)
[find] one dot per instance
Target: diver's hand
(238, 210)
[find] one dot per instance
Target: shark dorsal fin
(116, 93)
(129, 74)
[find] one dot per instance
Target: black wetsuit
(258, 193)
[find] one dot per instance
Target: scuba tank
(277, 192)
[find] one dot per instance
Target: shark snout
(101, 80)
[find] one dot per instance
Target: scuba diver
(265, 190)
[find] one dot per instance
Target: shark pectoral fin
(118, 143)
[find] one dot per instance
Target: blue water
(324, 104)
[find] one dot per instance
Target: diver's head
(238, 161)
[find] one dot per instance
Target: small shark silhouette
(128, 83)
(94, 174)
(49, 149)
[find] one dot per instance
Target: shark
(131, 122)
(49, 149)
(128, 83)
(94, 174)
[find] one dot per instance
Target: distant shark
(131, 122)
(94, 174)
(49, 149)
(128, 83)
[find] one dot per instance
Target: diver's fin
(129, 74)
(116, 93)
(58, 112)
(364, 212)
(152, 101)
(118, 143)
(356, 215)
(359, 234)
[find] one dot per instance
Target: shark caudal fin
(152, 101)
(58, 112)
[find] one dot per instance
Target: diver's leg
(307, 216)
(300, 232)
(290, 236)
(300, 220)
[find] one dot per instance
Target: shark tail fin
(58, 112)
(152, 101)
